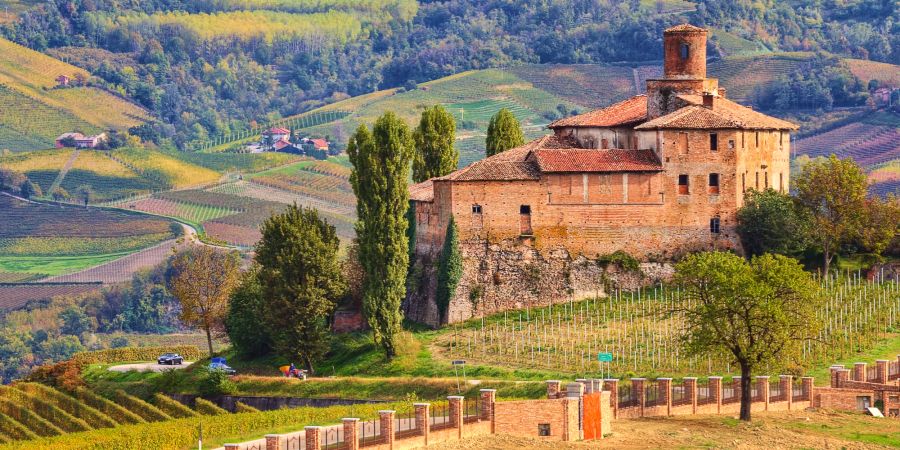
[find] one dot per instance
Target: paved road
(147, 367)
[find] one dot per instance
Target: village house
(276, 134)
(655, 176)
(79, 140)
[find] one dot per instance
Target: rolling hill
(34, 111)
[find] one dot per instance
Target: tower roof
(685, 27)
(630, 111)
(724, 114)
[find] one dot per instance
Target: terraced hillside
(43, 239)
(33, 111)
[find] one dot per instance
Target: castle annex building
(656, 175)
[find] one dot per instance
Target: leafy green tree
(450, 269)
(59, 194)
(435, 155)
(74, 321)
(380, 161)
(756, 312)
(85, 193)
(246, 310)
(300, 278)
(771, 222)
(29, 189)
(503, 133)
(202, 280)
(833, 191)
(882, 223)
(60, 348)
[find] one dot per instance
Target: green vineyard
(298, 122)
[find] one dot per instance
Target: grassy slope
(28, 78)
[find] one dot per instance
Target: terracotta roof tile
(683, 27)
(595, 160)
(629, 111)
(422, 192)
(723, 114)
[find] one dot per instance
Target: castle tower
(684, 70)
(685, 52)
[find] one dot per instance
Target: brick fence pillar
(574, 393)
(232, 446)
(808, 386)
(313, 438)
(456, 413)
(584, 382)
(273, 442)
(715, 392)
(859, 371)
(612, 385)
(351, 432)
(637, 388)
(690, 390)
(665, 393)
(553, 387)
(488, 400)
(842, 376)
(423, 414)
(881, 371)
(833, 370)
(762, 389)
(386, 424)
(786, 382)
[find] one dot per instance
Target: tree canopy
(771, 222)
(435, 155)
(450, 269)
(380, 161)
(503, 133)
(755, 312)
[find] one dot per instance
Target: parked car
(219, 364)
(170, 359)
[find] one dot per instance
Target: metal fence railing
(797, 391)
(440, 417)
(333, 438)
(893, 370)
(871, 374)
(680, 395)
(369, 433)
(704, 394)
(406, 425)
(731, 394)
(775, 392)
(652, 395)
(627, 397)
(471, 409)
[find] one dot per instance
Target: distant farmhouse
(79, 140)
(280, 140)
(654, 176)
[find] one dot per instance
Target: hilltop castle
(656, 176)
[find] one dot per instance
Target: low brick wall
(523, 418)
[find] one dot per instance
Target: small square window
(731, 144)
(543, 429)
(525, 209)
(714, 225)
(713, 141)
(683, 185)
(713, 183)
(476, 209)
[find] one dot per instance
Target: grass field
(176, 172)
(53, 265)
(41, 167)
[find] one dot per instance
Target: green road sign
(604, 357)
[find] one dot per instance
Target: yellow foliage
(102, 164)
(38, 160)
(181, 174)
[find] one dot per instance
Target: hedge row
(114, 411)
(111, 355)
(149, 412)
(172, 407)
(242, 408)
(179, 434)
(37, 424)
(208, 408)
(15, 430)
(47, 410)
(69, 404)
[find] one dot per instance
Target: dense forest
(211, 67)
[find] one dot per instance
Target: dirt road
(147, 367)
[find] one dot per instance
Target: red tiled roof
(594, 160)
(422, 192)
(683, 27)
(319, 143)
(282, 144)
(626, 112)
(276, 130)
(724, 114)
(510, 165)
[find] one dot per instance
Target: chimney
(707, 100)
(722, 92)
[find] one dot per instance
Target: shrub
(172, 407)
(64, 375)
(67, 403)
(149, 412)
(189, 352)
(114, 411)
(208, 408)
(118, 342)
(217, 382)
(46, 410)
(37, 424)
(15, 430)
(243, 408)
(620, 259)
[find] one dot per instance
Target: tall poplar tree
(503, 133)
(380, 161)
(435, 155)
(450, 269)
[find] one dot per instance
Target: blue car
(219, 364)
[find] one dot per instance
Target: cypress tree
(503, 133)
(435, 155)
(449, 269)
(380, 161)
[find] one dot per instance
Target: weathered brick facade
(656, 176)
